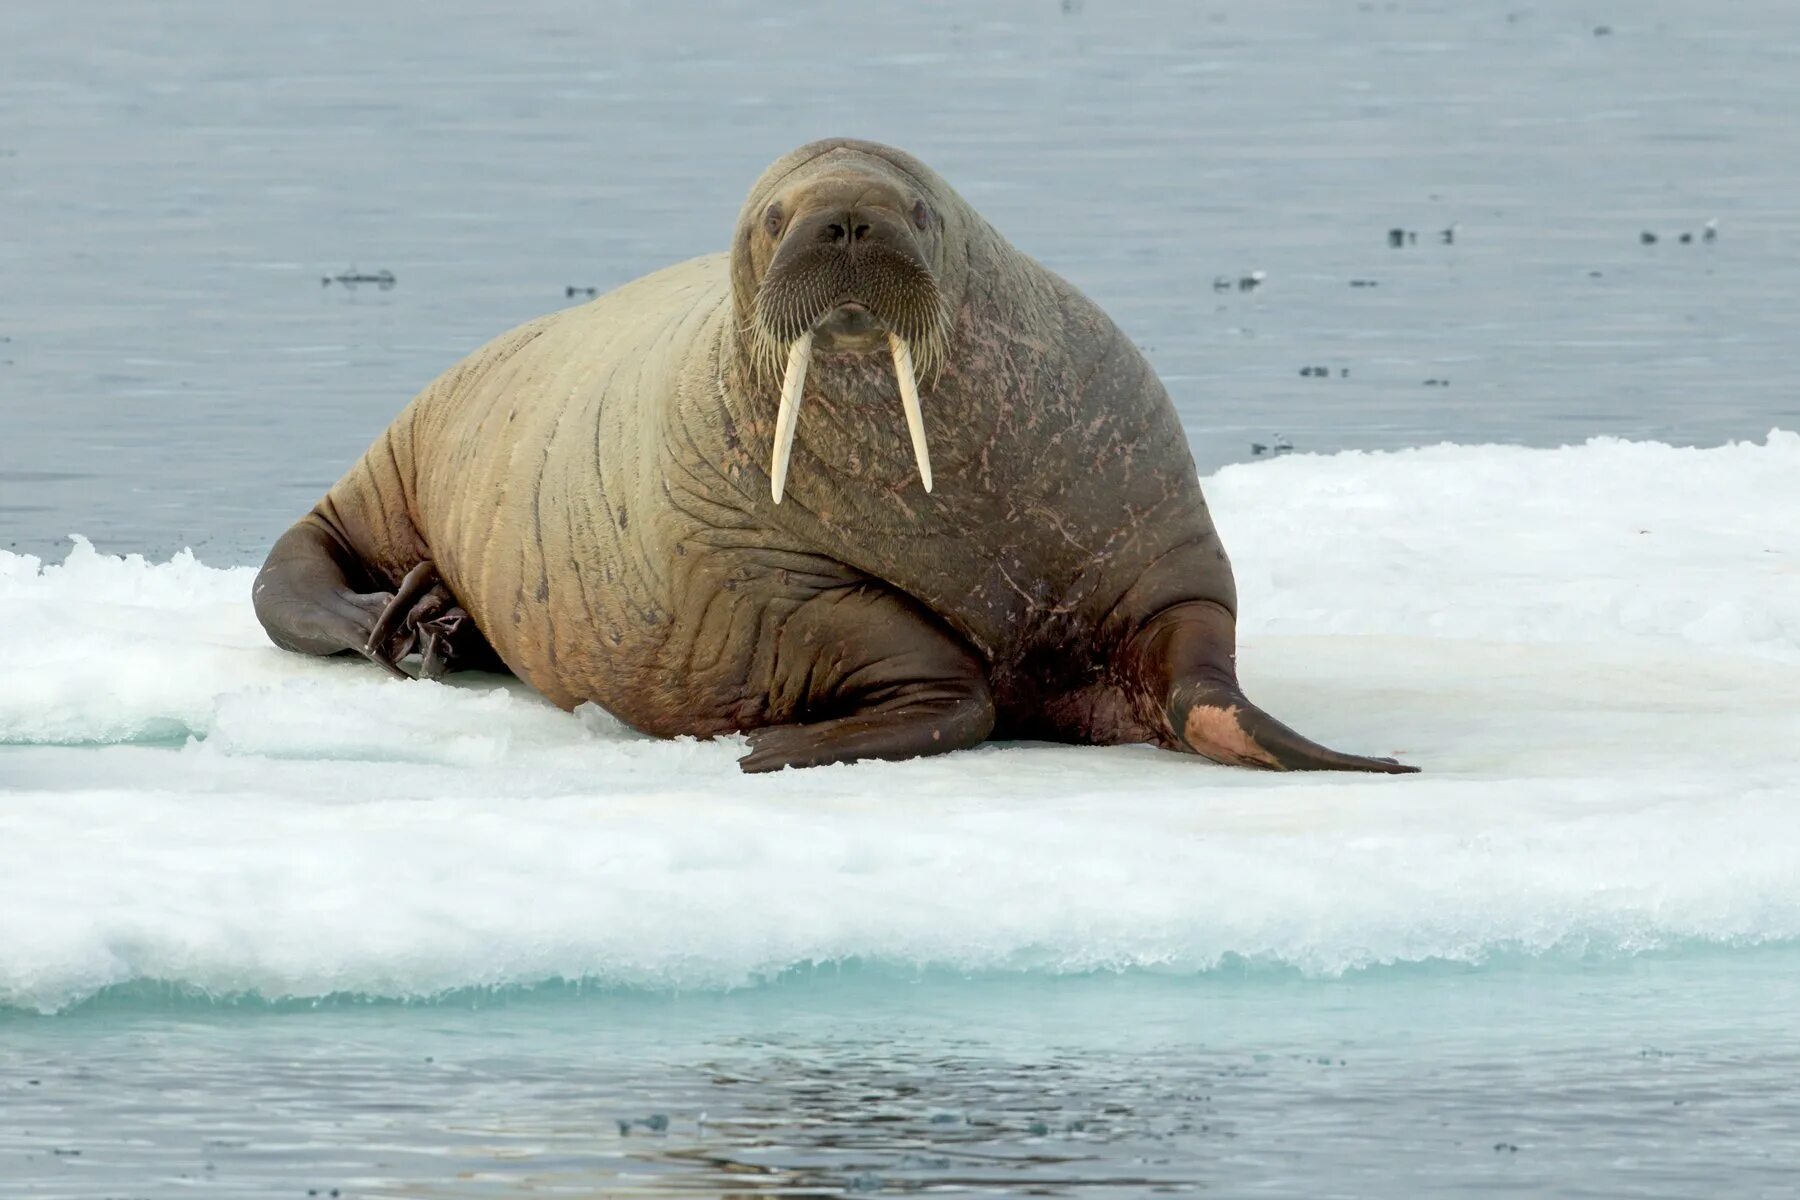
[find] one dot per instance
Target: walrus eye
(772, 220)
(921, 215)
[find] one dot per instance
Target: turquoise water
(1663, 1075)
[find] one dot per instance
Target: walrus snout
(850, 227)
(833, 259)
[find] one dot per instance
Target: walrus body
(589, 499)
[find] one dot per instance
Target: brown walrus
(872, 485)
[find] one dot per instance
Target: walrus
(871, 485)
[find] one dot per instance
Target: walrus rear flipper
(1185, 659)
(314, 596)
(424, 617)
(355, 575)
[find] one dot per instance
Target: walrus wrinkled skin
(591, 500)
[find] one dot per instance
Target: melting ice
(1594, 652)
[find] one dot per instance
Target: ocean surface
(1505, 294)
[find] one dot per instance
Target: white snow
(1594, 652)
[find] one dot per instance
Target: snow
(1593, 652)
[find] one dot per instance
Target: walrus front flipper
(1185, 662)
(871, 675)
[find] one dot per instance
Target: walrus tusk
(793, 383)
(909, 399)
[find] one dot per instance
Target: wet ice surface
(1657, 1077)
(177, 185)
(1593, 651)
(1559, 962)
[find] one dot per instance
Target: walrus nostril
(837, 233)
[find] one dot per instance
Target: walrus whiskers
(909, 400)
(793, 383)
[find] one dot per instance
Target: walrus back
(537, 480)
(374, 509)
(519, 472)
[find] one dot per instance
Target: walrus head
(841, 249)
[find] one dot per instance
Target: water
(1562, 962)
(176, 185)
(1413, 1082)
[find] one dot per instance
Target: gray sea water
(1597, 234)
(176, 180)
(1655, 1077)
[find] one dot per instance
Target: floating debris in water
(1365, 283)
(1708, 233)
(1599, 31)
(923, 1162)
(1247, 282)
(382, 279)
(1437, 383)
(570, 290)
(655, 1123)
(1315, 372)
(1280, 446)
(1509, 1147)
(1448, 236)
